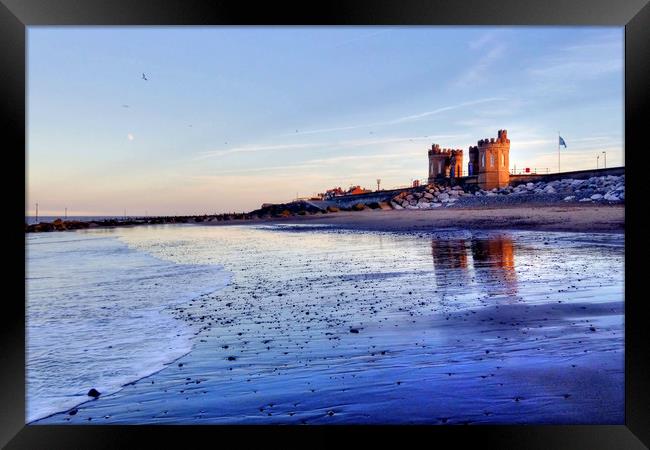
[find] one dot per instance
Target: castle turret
(493, 161)
(444, 163)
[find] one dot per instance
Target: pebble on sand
(94, 393)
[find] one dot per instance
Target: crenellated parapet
(501, 139)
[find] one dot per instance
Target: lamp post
(597, 157)
(605, 160)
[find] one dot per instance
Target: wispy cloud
(399, 120)
(483, 40)
(477, 72)
(254, 148)
(320, 162)
(360, 38)
(331, 145)
(580, 61)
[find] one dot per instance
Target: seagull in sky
(144, 77)
(125, 106)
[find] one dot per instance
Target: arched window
(483, 160)
(439, 167)
(503, 160)
(492, 160)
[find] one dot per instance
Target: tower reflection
(494, 264)
(450, 262)
(492, 259)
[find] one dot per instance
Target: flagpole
(558, 152)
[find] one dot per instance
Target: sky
(233, 117)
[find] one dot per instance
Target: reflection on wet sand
(349, 327)
(492, 261)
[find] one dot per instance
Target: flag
(562, 142)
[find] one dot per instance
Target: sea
(98, 315)
(29, 220)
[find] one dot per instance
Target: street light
(597, 158)
(605, 160)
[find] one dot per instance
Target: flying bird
(125, 106)
(144, 77)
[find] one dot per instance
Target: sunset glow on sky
(233, 117)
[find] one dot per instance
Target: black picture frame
(16, 15)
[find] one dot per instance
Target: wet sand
(341, 327)
(588, 218)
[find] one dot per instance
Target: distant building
(489, 161)
(335, 192)
(355, 190)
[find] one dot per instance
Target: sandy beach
(590, 218)
(327, 325)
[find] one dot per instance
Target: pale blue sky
(232, 117)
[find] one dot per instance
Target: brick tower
(493, 161)
(445, 163)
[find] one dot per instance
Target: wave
(99, 315)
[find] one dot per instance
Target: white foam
(98, 316)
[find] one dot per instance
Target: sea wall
(575, 175)
(347, 201)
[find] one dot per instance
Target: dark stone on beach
(330, 413)
(354, 330)
(180, 364)
(74, 411)
(94, 393)
(592, 329)
(231, 358)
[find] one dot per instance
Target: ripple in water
(99, 315)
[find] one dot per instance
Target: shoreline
(331, 336)
(561, 218)
(531, 217)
